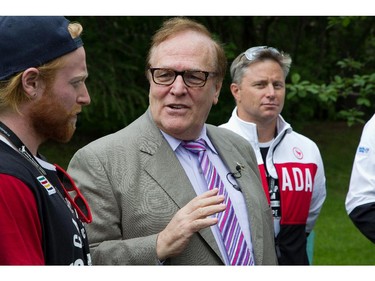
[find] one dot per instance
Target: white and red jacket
(295, 161)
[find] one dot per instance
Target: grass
(337, 241)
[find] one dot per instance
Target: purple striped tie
(233, 238)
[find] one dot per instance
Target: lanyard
(29, 156)
(21, 147)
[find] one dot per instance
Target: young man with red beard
(42, 91)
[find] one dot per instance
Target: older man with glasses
(159, 188)
(290, 164)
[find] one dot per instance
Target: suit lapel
(177, 184)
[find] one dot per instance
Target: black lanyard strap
(21, 147)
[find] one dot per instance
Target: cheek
(248, 98)
(281, 95)
(246, 95)
(281, 102)
(154, 98)
(66, 101)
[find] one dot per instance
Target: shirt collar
(174, 143)
(43, 163)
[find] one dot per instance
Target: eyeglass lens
(168, 76)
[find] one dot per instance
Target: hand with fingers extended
(193, 217)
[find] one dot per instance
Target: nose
(270, 91)
(178, 86)
(84, 97)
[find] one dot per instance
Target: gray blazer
(135, 184)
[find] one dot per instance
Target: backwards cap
(33, 41)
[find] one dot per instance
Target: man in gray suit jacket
(148, 196)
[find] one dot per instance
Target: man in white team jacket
(290, 164)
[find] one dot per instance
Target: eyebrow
(80, 77)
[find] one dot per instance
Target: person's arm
(319, 193)
(360, 200)
(105, 232)
(363, 217)
(20, 229)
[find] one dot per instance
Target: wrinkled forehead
(264, 70)
(188, 47)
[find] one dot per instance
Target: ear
(217, 92)
(236, 92)
(31, 82)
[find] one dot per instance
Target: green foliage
(117, 47)
(355, 96)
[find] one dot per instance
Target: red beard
(51, 120)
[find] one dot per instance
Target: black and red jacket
(47, 231)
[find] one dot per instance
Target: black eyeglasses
(192, 78)
(253, 52)
(78, 201)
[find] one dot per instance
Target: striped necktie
(230, 230)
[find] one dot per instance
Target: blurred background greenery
(332, 75)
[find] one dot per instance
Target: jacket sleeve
(319, 193)
(20, 228)
(360, 200)
(107, 242)
(363, 218)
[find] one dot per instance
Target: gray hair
(256, 54)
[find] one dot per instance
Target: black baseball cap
(31, 41)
